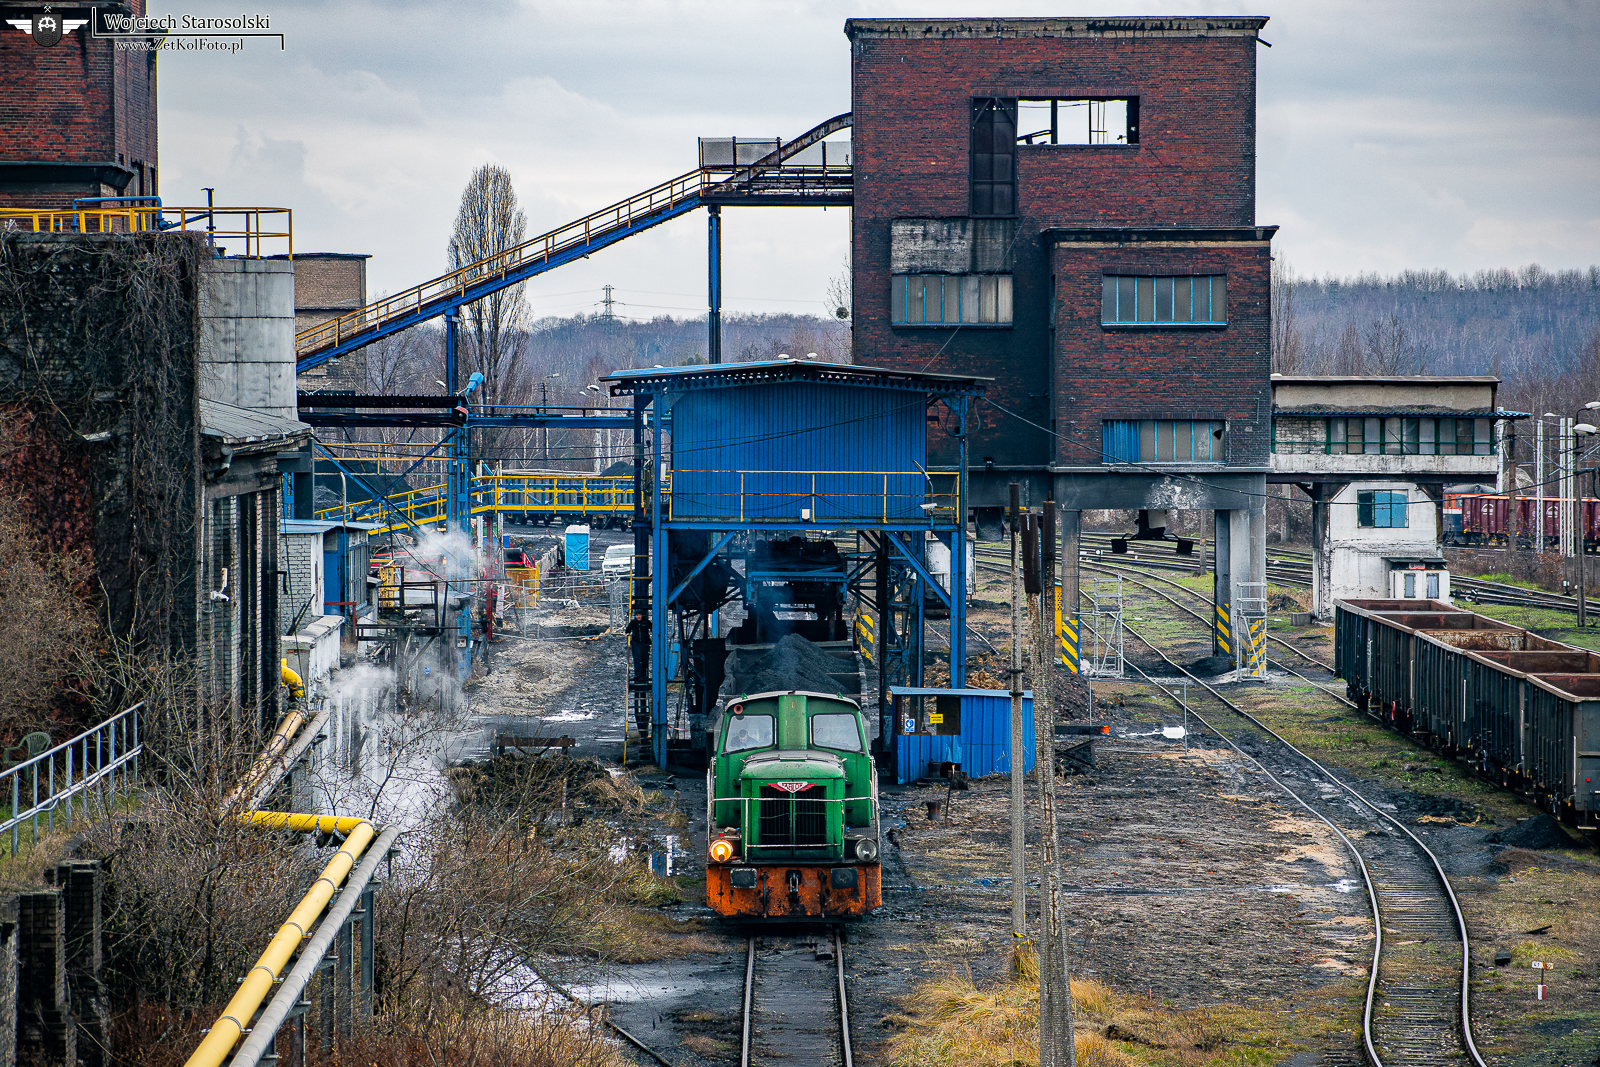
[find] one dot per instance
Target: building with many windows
(1375, 455)
(1067, 206)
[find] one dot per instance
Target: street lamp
(1580, 429)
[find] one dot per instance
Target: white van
(618, 562)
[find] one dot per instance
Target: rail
(799, 1030)
(87, 763)
(805, 496)
(1368, 869)
(254, 225)
(546, 494)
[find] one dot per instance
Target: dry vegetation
(954, 1020)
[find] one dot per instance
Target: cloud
(1446, 133)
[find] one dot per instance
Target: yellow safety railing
(543, 247)
(589, 494)
(803, 496)
(254, 225)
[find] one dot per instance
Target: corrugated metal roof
(243, 426)
(767, 372)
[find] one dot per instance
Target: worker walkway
(571, 496)
(785, 176)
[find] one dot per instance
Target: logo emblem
(47, 28)
(792, 787)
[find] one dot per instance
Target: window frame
(1369, 509)
(998, 297)
(1131, 124)
(1405, 435)
(984, 139)
(1146, 301)
(727, 737)
(855, 723)
(1162, 435)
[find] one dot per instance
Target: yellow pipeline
(259, 982)
(276, 746)
(297, 687)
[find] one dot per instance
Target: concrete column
(1071, 530)
(45, 1027)
(1222, 586)
(8, 981)
(1258, 541)
(1321, 604)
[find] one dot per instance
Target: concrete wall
(1354, 557)
(1399, 393)
(247, 341)
(313, 650)
(301, 556)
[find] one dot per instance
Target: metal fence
(73, 778)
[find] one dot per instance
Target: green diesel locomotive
(792, 809)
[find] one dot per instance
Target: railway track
(796, 1008)
(1417, 1011)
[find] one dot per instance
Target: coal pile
(532, 784)
(1537, 833)
(792, 663)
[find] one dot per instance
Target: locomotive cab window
(746, 732)
(836, 731)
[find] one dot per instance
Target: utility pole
(1019, 829)
(1056, 1045)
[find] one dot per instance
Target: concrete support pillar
(1222, 586)
(1258, 542)
(46, 1030)
(1071, 531)
(8, 981)
(1321, 601)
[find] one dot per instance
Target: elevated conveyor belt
(765, 182)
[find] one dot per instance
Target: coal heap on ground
(1536, 833)
(792, 663)
(1211, 665)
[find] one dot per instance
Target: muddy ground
(1190, 879)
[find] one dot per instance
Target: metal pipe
(283, 1002)
(231, 1025)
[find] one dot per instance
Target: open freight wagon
(1523, 709)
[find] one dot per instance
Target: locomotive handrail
(748, 846)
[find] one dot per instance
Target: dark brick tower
(1068, 207)
(77, 118)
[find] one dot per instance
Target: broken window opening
(950, 299)
(994, 154)
(1077, 121)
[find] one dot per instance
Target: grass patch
(953, 1020)
(1506, 579)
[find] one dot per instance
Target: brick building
(77, 116)
(1068, 207)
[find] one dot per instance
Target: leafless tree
(488, 223)
(1288, 346)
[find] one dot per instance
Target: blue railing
(75, 775)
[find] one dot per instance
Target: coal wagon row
(1523, 709)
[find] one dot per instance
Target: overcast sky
(1455, 134)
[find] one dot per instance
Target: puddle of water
(568, 716)
(1174, 733)
(1344, 885)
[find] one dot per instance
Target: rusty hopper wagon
(1524, 710)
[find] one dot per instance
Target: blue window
(1178, 300)
(950, 299)
(1162, 441)
(1381, 509)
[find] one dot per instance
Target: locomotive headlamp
(866, 850)
(721, 850)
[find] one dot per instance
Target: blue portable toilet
(982, 745)
(578, 548)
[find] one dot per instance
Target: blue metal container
(982, 748)
(578, 548)
(799, 452)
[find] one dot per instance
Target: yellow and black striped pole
(1067, 635)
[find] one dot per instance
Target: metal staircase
(768, 181)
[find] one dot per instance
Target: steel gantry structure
(714, 477)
